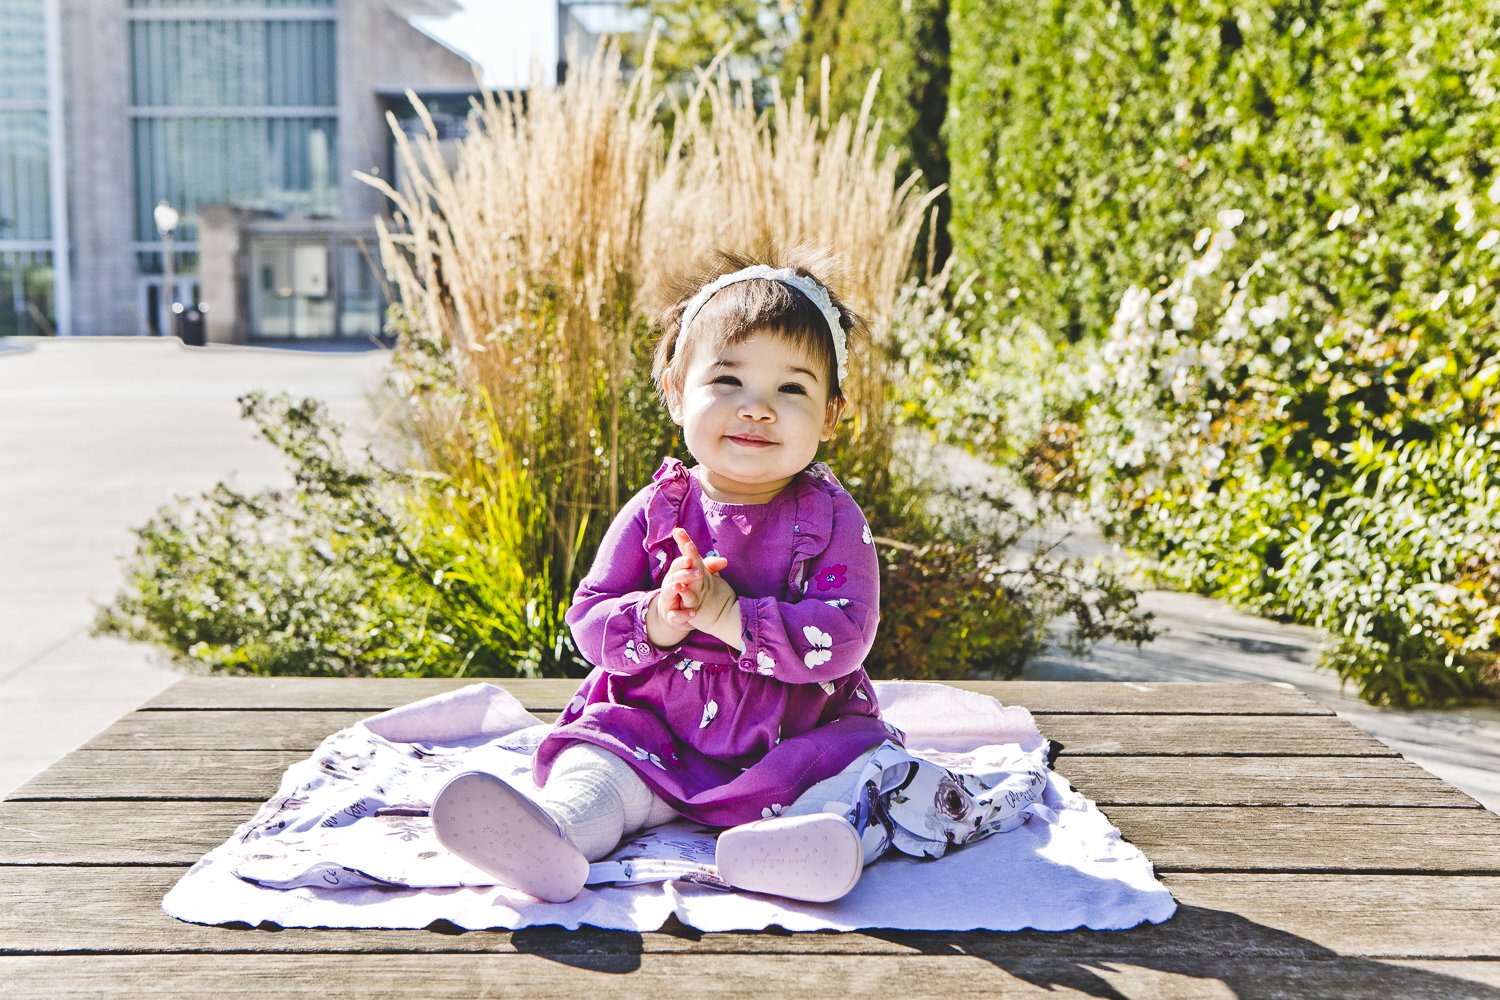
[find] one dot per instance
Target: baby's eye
(794, 387)
(725, 380)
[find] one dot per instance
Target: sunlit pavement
(95, 434)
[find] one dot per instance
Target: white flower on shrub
(1183, 312)
(1465, 209)
(1275, 308)
(1489, 239)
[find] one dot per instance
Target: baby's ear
(831, 418)
(673, 395)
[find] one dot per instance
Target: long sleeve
(827, 634)
(608, 616)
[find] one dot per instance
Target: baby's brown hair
(739, 310)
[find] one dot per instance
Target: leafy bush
(1316, 436)
(354, 570)
(1347, 484)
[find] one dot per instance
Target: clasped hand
(693, 595)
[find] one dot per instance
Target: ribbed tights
(599, 799)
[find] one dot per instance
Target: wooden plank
(1074, 697)
(253, 775)
(1259, 781)
(99, 911)
(245, 776)
(1171, 735)
(1175, 838)
(945, 973)
(1313, 838)
(116, 833)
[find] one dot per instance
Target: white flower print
(821, 640)
(838, 602)
(576, 705)
(630, 653)
(764, 664)
(827, 687)
(710, 712)
(774, 809)
(641, 753)
(689, 667)
(858, 693)
(661, 559)
(865, 535)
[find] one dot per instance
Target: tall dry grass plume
(526, 271)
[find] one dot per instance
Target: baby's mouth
(750, 441)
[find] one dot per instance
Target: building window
(26, 265)
(254, 80)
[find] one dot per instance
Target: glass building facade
(27, 278)
(232, 102)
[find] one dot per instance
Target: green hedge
(908, 44)
(1302, 416)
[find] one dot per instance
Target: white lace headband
(815, 293)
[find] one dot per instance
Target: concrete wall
(106, 301)
(380, 51)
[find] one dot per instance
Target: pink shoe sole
(816, 858)
(499, 831)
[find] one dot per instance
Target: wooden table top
(1308, 859)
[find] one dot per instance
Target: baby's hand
(700, 597)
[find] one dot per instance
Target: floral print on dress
(828, 688)
(865, 536)
(833, 576)
(710, 712)
(641, 753)
(821, 641)
(837, 602)
(576, 705)
(764, 664)
(630, 652)
(774, 809)
(689, 667)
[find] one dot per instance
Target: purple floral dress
(727, 737)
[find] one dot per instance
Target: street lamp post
(166, 218)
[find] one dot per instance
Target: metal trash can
(189, 321)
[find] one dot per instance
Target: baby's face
(753, 414)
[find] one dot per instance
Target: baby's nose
(755, 407)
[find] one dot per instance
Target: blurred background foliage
(1220, 278)
(526, 274)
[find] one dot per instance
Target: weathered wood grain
(253, 775)
(94, 910)
(1258, 781)
(1206, 735)
(1175, 838)
(945, 974)
(1087, 697)
(1310, 839)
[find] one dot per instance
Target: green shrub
(355, 570)
(1228, 425)
(1332, 484)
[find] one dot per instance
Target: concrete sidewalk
(95, 434)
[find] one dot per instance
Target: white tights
(599, 799)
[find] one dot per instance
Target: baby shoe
(816, 858)
(498, 830)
